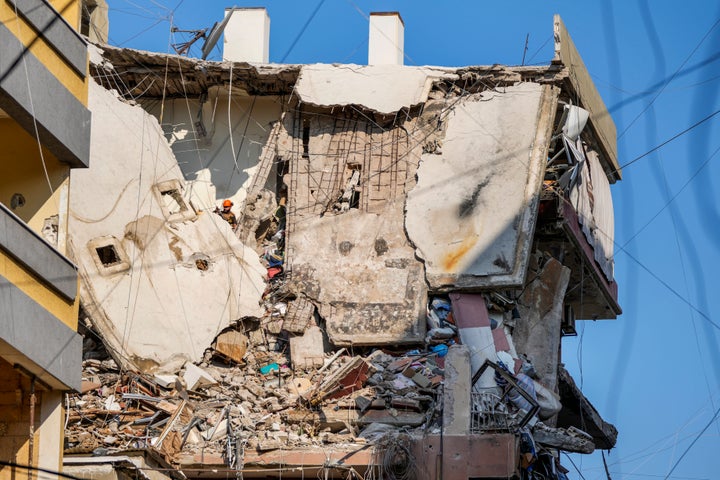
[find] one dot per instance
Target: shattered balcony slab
(159, 75)
(494, 153)
(579, 413)
(308, 462)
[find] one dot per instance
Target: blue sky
(655, 371)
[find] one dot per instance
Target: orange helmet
(227, 203)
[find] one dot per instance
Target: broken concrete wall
(217, 140)
(472, 213)
(158, 279)
(346, 246)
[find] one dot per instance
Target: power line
(658, 147)
(302, 31)
(672, 77)
(5, 463)
(667, 204)
(697, 437)
(576, 468)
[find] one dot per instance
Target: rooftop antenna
(215, 32)
(183, 47)
(527, 38)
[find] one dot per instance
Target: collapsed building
(412, 244)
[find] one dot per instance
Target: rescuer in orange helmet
(227, 214)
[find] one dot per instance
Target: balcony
(38, 306)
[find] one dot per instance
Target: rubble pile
(276, 383)
(259, 402)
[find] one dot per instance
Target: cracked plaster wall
(473, 210)
(179, 278)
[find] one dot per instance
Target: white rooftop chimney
(247, 35)
(387, 39)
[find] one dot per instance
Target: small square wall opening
(108, 255)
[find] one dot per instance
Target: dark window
(306, 139)
(108, 255)
(355, 178)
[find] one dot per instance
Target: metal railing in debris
(489, 410)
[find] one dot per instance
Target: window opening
(282, 168)
(350, 196)
(86, 18)
(354, 185)
(108, 255)
(306, 139)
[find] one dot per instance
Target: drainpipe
(31, 444)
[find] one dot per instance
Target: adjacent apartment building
(44, 134)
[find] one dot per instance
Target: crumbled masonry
(412, 244)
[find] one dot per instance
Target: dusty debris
(264, 402)
(265, 411)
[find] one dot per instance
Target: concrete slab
(195, 376)
(493, 154)
(382, 88)
(537, 331)
(307, 350)
(456, 394)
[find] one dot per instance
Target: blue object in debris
(273, 261)
(441, 349)
(269, 368)
(440, 304)
(441, 308)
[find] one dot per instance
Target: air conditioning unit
(567, 327)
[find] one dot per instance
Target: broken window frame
(122, 264)
(162, 189)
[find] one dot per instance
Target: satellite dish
(215, 33)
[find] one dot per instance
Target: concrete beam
(49, 24)
(63, 122)
(35, 339)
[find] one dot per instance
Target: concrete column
(537, 332)
(386, 42)
(50, 432)
(247, 35)
(456, 392)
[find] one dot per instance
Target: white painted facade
(159, 278)
(488, 159)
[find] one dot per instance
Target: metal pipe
(31, 444)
